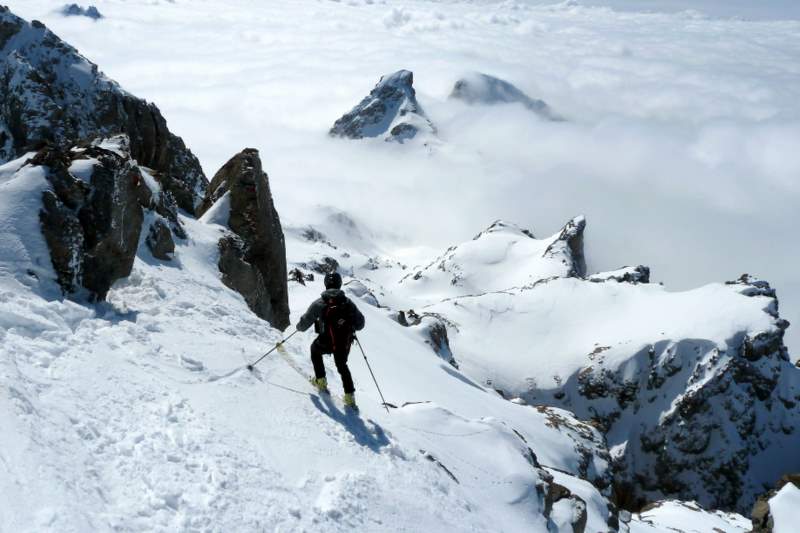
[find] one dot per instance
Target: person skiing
(336, 319)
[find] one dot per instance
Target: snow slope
(137, 414)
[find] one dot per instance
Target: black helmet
(333, 280)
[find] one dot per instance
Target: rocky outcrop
(54, 96)
(390, 111)
(720, 409)
(93, 215)
(482, 89)
(253, 258)
(159, 240)
(433, 329)
(569, 245)
(627, 274)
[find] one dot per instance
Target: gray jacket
(315, 310)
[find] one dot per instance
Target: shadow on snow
(372, 437)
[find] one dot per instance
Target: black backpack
(335, 325)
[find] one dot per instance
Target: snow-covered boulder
(253, 257)
(361, 291)
(432, 329)
(390, 111)
(627, 274)
(483, 89)
(694, 390)
(778, 511)
(92, 211)
(52, 94)
(673, 516)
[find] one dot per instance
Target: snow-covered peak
(502, 225)
(390, 111)
(75, 10)
(504, 256)
(402, 80)
(477, 88)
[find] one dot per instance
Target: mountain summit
(390, 111)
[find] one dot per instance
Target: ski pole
(278, 345)
(371, 373)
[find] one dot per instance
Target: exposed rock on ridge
(637, 274)
(569, 244)
(53, 95)
(93, 216)
(694, 390)
(252, 258)
(390, 111)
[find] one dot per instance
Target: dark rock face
(92, 218)
(253, 260)
(53, 95)
(74, 10)
(390, 111)
(159, 240)
(244, 277)
(723, 412)
(570, 244)
(488, 90)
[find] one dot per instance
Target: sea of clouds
(681, 144)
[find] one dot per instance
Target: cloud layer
(681, 145)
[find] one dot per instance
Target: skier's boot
(350, 401)
(321, 384)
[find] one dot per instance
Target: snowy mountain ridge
(692, 389)
(54, 95)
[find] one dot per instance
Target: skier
(336, 319)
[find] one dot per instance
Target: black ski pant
(318, 349)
